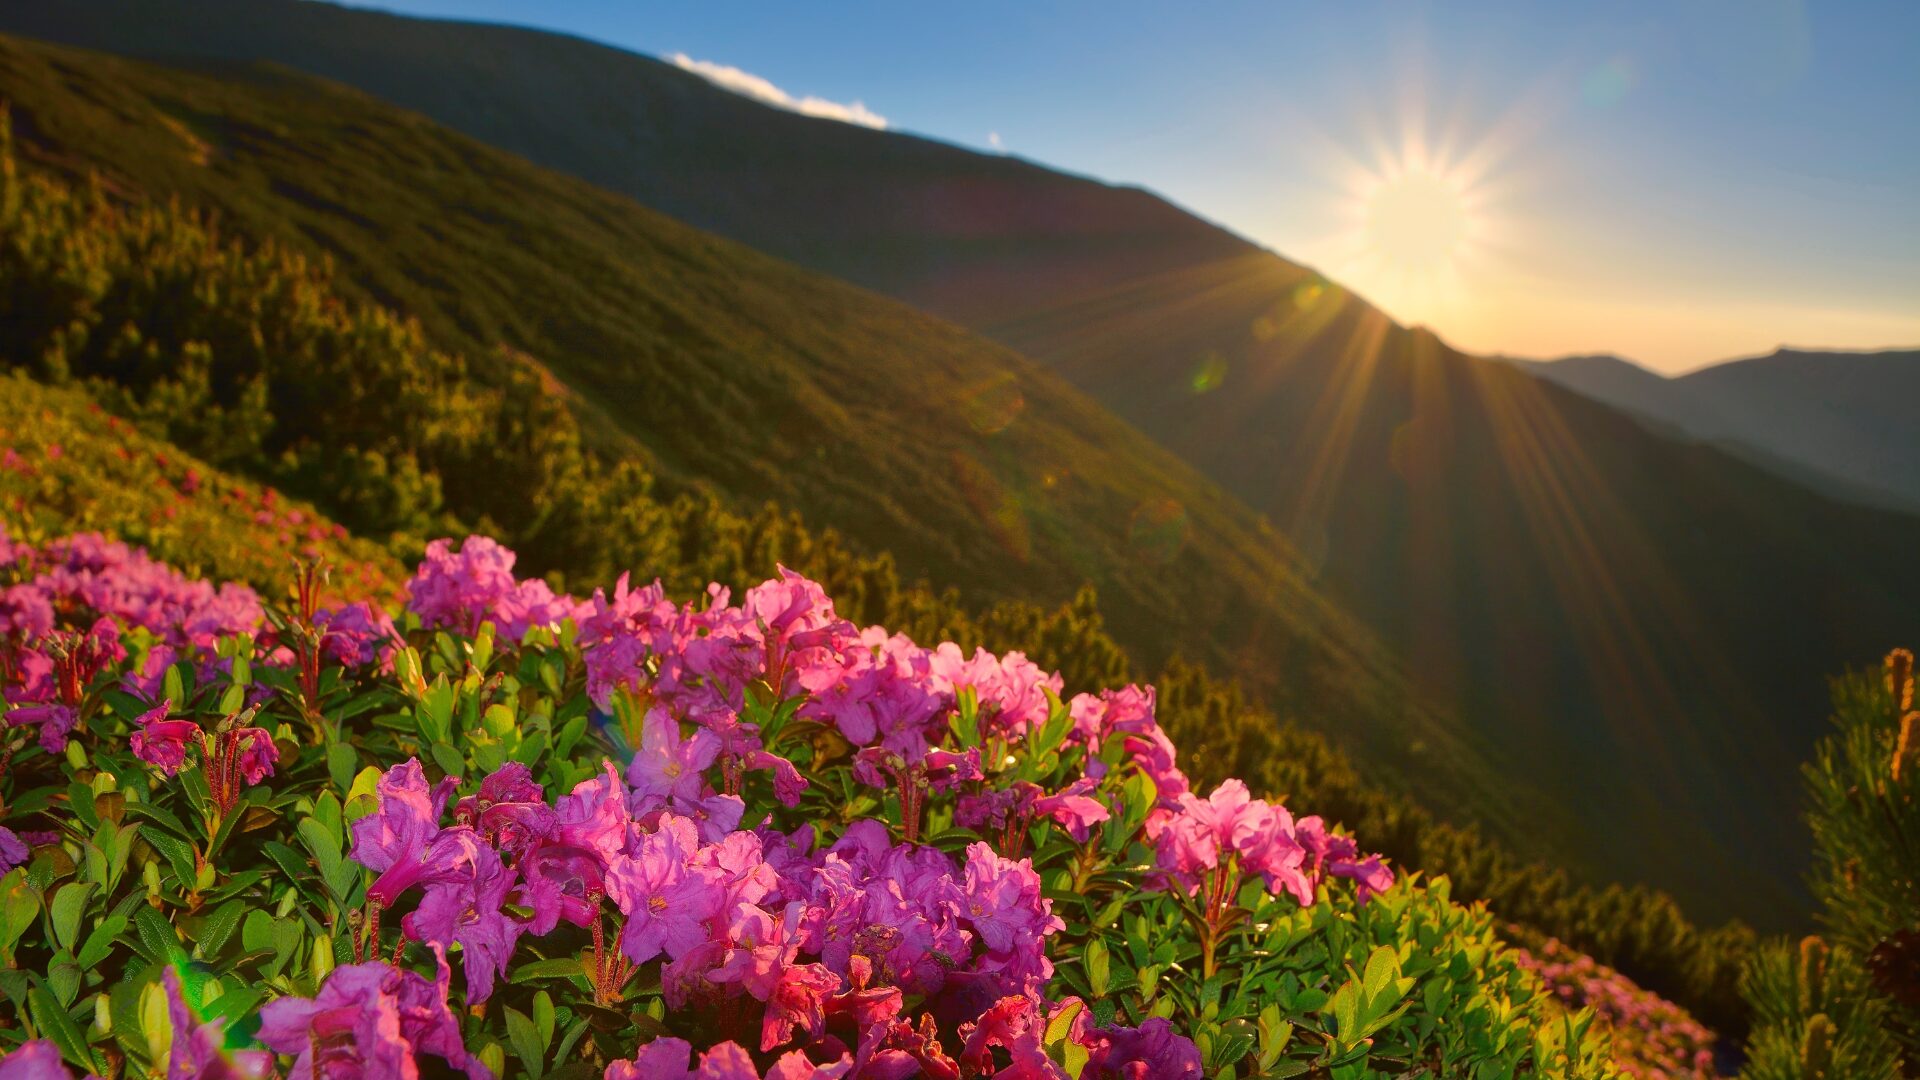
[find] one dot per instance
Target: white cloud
(993, 140)
(747, 84)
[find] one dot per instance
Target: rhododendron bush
(1652, 1037)
(507, 831)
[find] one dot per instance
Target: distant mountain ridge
(1841, 420)
(1641, 624)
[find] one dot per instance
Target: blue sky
(1679, 182)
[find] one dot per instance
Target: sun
(1416, 224)
(1416, 221)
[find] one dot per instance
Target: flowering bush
(511, 830)
(1652, 1037)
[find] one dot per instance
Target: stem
(371, 946)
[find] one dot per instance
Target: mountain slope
(1841, 420)
(66, 467)
(1637, 625)
(968, 463)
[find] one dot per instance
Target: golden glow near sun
(1416, 221)
(1419, 210)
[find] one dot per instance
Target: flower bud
(322, 964)
(1813, 972)
(1900, 678)
(1906, 750)
(1816, 1048)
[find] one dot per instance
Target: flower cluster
(1653, 1039)
(748, 837)
(70, 610)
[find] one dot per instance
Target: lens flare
(1208, 374)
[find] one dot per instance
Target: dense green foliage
(145, 266)
(1849, 1005)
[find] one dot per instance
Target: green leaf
(177, 852)
(68, 905)
(56, 1024)
(100, 942)
(1382, 968)
(338, 874)
(448, 759)
(218, 927)
(1098, 967)
(567, 1041)
(563, 967)
(341, 761)
(1062, 1023)
(543, 1017)
(156, 934)
(526, 1042)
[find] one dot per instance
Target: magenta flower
(37, 1059)
(13, 850)
(257, 754)
(162, 743)
(1011, 1025)
(403, 840)
(356, 634)
(1004, 906)
(1072, 809)
(510, 809)
(666, 899)
(1370, 875)
(458, 590)
(562, 882)
(796, 1065)
(1153, 1049)
(56, 723)
(667, 765)
(471, 913)
(665, 1058)
(798, 999)
(369, 1020)
(762, 948)
(788, 784)
(595, 814)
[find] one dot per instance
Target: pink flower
(37, 1059)
(257, 754)
(798, 999)
(368, 1020)
(667, 765)
(1153, 1050)
(13, 850)
(162, 743)
(403, 840)
(666, 899)
(471, 912)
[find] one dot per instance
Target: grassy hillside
(968, 464)
(66, 466)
